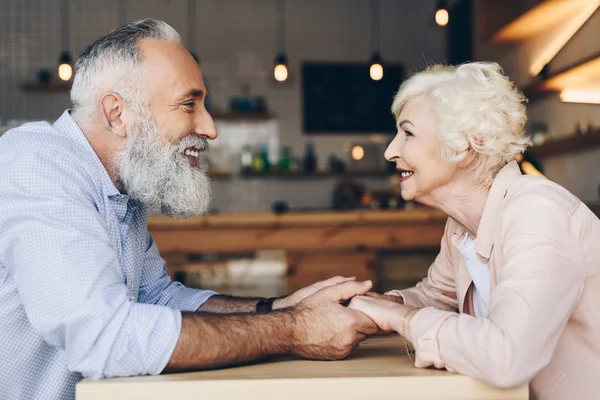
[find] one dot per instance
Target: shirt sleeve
(156, 286)
(58, 251)
(538, 288)
(438, 288)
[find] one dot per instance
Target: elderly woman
(514, 295)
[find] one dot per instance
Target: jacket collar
(485, 232)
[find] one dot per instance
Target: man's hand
(326, 330)
(303, 293)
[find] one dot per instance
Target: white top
(480, 274)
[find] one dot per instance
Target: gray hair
(113, 64)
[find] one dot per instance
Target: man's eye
(189, 104)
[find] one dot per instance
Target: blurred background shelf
(578, 74)
(51, 87)
(241, 116)
(568, 144)
(317, 174)
(220, 174)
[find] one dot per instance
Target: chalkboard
(342, 98)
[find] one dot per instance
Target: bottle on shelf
(257, 164)
(246, 159)
(264, 153)
(285, 161)
(310, 158)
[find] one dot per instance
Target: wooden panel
(496, 15)
(299, 231)
(310, 238)
(306, 268)
(357, 217)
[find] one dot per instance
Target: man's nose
(205, 126)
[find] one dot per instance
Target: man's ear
(465, 162)
(113, 107)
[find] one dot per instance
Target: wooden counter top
(231, 232)
(324, 218)
(378, 369)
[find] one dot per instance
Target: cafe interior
(300, 91)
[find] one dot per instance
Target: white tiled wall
(235, 40)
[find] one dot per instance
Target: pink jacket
(542, 246)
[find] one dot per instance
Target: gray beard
(159, 175)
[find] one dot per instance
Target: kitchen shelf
(219, 174)
(317, 174)
(241, 116)
(50, 87)
(574, 143)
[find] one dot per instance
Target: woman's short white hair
(476, 106)
(113, 63)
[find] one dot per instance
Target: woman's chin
(407, 195)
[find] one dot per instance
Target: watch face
(265, 305)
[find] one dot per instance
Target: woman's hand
(390, 297)
(388, 315)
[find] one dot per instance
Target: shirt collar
(66, 125)
(485, 231)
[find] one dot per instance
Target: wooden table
(378, 369)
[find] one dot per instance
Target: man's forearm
(210, 340)
(224, 304)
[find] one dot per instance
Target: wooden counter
(378, 369)
(422, 227)
(318, 244)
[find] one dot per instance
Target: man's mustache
(193, 140)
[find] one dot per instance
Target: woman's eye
(408, 133)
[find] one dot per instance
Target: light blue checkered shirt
(83, 289)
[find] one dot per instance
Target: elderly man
(83, 290)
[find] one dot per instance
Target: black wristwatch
(265, 305)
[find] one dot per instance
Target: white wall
(235, 41)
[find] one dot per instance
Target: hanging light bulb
(358, 152)
(281, 71)
(376, 69)
(442, 17)
(191, 29)
(65, 61)
(65, 66)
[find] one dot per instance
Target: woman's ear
(465, 162)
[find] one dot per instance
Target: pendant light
(442, 16)
(191, 29)
(280, 71)
(376, 68)
(65, 61)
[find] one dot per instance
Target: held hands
(303, 293)
(326, 330)
(387, 311)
